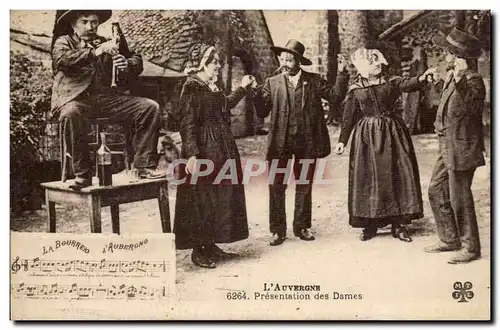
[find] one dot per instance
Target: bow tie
(293, 80)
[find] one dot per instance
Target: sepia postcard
(250, 165)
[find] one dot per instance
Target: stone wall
(310, 27)
(260, 43)
(484, 68)
(251, 57)
(420, 35)
(239, 121)
(361, 28)
(325, 33)
(33, 54)
(353, 30)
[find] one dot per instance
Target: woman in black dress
(384, 181)
(206, 211)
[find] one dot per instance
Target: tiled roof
(163, 37)
(39, 43)
(404, 24)
(33, 21)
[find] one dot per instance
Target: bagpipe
(123, 49)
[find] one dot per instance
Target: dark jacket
(75, 66)
(208, 212)
(197, 106)
(272, 97)
(362, 100)
(463, 105)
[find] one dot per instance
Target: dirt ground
(397, 279)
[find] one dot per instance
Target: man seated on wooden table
(82, 63)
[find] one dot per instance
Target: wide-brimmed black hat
(66, 16)
(460, 43)
(62, 24)
(294, 47)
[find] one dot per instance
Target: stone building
(416, 32)
(326, 33)
(31, 35)
(418, 29)
(163, 37)
(399, 33)
(241, 37)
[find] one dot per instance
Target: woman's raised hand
(247, 80)
(430, 75)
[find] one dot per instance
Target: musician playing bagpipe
(91, 78)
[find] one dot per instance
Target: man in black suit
(461, 144)
(298, 128)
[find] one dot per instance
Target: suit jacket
(75, 65)
(272, 97)
(462, 104)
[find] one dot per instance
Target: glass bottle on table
(104, 163)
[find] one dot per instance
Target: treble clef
(15, 265)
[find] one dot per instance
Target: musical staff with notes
(86, 267)
(79, 291)
(50, 279)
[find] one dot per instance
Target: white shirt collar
(295, 79)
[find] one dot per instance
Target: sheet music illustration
(89, 269)
(251, 165)
(76, 291)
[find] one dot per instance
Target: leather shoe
(277, 239)
(202, 260)
(442, 247)
(305, 234)
(402, 234)
(149, 173)
(217, 253)
(80, 182)
(464, 257)
(368, 233)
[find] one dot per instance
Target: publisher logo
(463, 291)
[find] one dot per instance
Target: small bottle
(104, 163)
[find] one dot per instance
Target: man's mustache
(281, 69)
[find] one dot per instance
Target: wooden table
(95, 197)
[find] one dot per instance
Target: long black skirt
(384, 181)
(208, 214)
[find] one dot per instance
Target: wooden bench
(95, 197)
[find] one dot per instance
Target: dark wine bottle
(104, 163)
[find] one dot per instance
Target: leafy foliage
(30, 92)
(223, 26)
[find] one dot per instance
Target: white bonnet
(364, 59)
